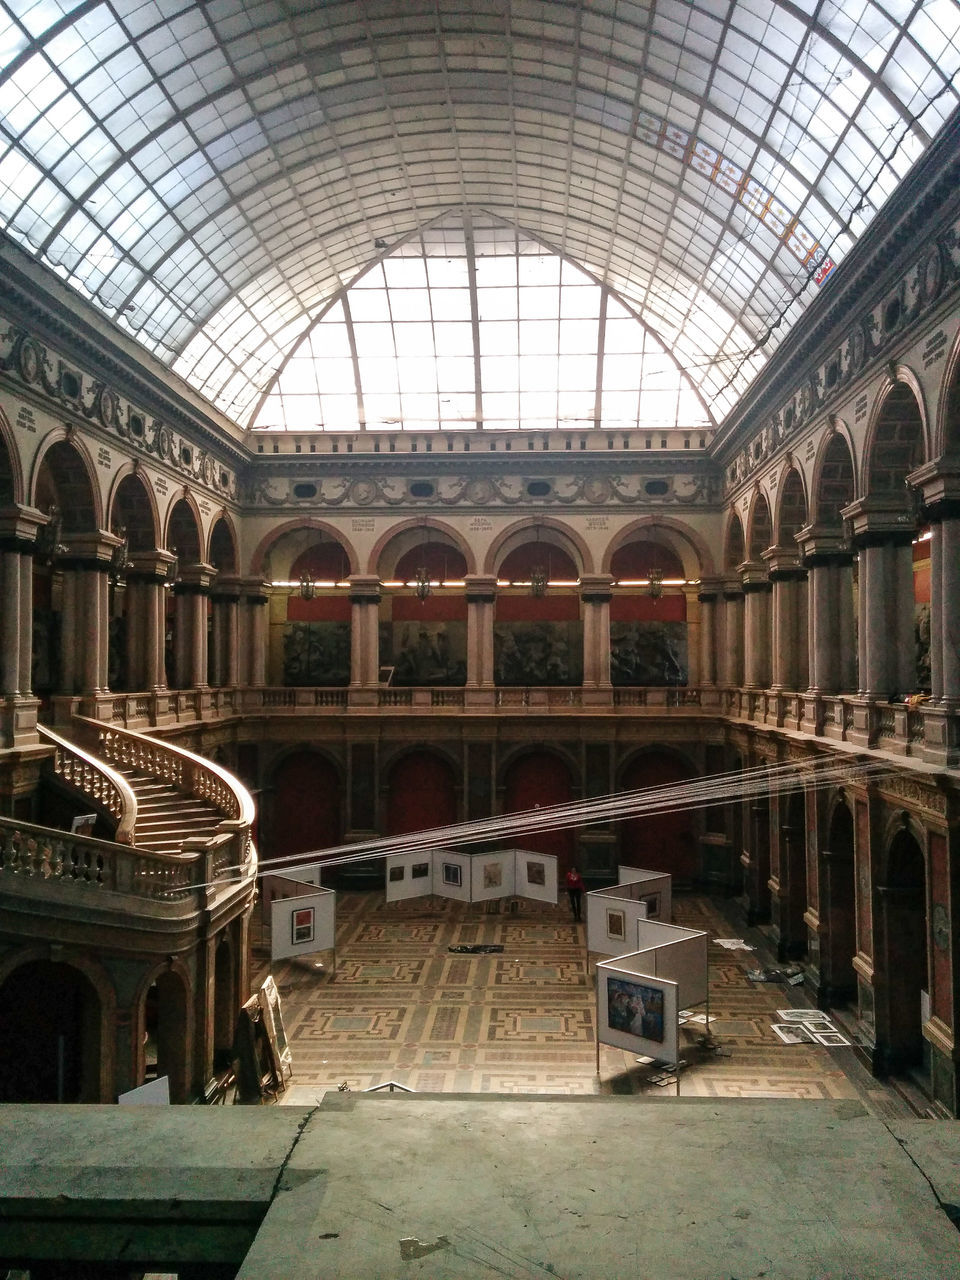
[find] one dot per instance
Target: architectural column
(224, 665)
(85, 630)
(731, 668)
(831, 632)
(364, 630)
(9, 619)
(19, 526)
(252, 633)
(939, 484)
(710, 589)
(883, 532)
(788, 619)
(756, 625)
(481, 592)
(192, 593)
(148, 576)
(595, 595)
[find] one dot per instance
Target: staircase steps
(165, 817)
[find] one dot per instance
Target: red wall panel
(305, 813)
(541, 779)
(660, 841)
(421, 794)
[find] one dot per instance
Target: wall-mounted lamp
(119, 556)
(173, 568)
(307, 589)
(48, 542)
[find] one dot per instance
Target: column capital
(753, 577)
(709, 589)
(481, 588)
(150, 566)
(596, 588)
(228, 587)
(254, 590)
(93, 550)
(821, 544)
(18, 527)
(731, 587)
(938, 483)
(879, 519)
(783, 564)
(364, 588)
(195, 579)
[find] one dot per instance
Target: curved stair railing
(96, 781)
(193, 776)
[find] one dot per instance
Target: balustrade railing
(95, 781)
(43, 855)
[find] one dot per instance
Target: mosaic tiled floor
(400, 1006)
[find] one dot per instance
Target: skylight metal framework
(212, 175)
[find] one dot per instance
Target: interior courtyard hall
(421, 415)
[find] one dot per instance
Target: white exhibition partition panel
(678, 954)
(636, 1011)
(612, 918)
(536, 875)
(409, 875)
(654, 886)
(492, 875)
(451, 874)
(303, 922)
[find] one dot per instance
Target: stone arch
(163, 1017)
(304, 786)
(541, 776)
(759, 526)
(734, 543)
(791, 513)
(549, 530)
(897, 438)
(222, 544)
(133, 507)
(902, 971)
(947, 428)
(406, 535)
(80, 1009)
(260, 561)
(834, 477)
(11, 469)
(687, 543)
(184, 531)
(666, 839)
(64, 476)
(422, 786)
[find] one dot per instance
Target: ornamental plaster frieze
(870, 337)
(67, 389)
(370, 489)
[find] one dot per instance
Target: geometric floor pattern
(402, 1007)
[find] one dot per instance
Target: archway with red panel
(304, 805)
(665, 841)
(539, 779)
(421, 793)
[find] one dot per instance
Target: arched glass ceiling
(213, 175)
(472, 322)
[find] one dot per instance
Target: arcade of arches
(383, 632)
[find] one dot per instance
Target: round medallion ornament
(363, 492)
(28, 358)
(596, 489)
(479, 492)
(932, 274)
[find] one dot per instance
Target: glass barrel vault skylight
(472, 322)
(211, 176)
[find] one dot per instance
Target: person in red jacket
(574, 885)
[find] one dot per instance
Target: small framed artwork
(492, 875)
(419, 870)
(635, 1008)
(615, 924)
(536, 873)
(452, 874)
(302, 925)
(652, 902)
(396, 873)
(830, 1038)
